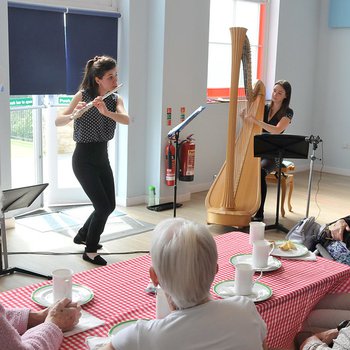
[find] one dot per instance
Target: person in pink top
(23, 329)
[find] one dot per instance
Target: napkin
(309, 256)
(86, 322)
(95, 343)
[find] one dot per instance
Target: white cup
(62, 284)
(256, 231)
(162, 305)
(261, 252)
(244, 279)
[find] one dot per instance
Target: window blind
(88, 34)
(36, 50)
(49, 46)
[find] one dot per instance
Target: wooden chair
(286, 180)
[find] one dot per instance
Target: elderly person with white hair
(184, 263)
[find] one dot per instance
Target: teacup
(256, 231)
(244, 281)
(261, 252)
(62, 284)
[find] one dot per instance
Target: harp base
(226, 217)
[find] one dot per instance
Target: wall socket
(346, 146)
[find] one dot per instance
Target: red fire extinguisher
(187, 156)
(170, 164)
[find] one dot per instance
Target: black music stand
(175, 132)
(16, 198)
(280, 146)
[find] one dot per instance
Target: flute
(80, 112)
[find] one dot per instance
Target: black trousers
(92, 169)
(267, 165)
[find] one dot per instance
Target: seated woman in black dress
(277, 117)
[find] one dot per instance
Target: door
(26, 145)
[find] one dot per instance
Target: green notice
(21, 101)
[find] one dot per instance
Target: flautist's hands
(77, 109)
(64, 314)
(100, 105)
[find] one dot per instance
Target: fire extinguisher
(187, 156)
(170, 164)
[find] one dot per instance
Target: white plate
(260, 292)
(272, 263)
(121, 325)
(44, 295)
(299, 251)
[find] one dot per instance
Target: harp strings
(245, 129)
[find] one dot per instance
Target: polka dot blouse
(93, 126)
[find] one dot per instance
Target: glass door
(41, 152)
(64, 187)
(26, 144)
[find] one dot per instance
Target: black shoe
(79, 240)
(97, 260)
(258, 218)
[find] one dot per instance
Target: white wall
(332, 103)
(315, 58)
(297, 54)
(166, 60)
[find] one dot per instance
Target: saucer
(260, 292)
(272, 262)
(299, 251)
(44, 295)
(121, 325)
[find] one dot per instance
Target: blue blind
(36, 50)
(88, 34)
(48, 58)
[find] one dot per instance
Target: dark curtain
(47, 58)
(88, 34)
(36, 50)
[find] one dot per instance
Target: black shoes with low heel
(79, 240)
(97, 260)
(258, 218)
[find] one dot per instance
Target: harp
(235, 194)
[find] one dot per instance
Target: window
(223, 15)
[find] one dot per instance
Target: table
(119, 291)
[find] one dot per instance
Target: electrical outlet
(346, 146)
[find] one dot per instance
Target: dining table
(119, 291)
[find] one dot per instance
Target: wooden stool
(286, 179)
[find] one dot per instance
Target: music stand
(175, 132)
(16, 198)
(280, 146)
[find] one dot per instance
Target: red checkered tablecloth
(119, 291)
(297, 286)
